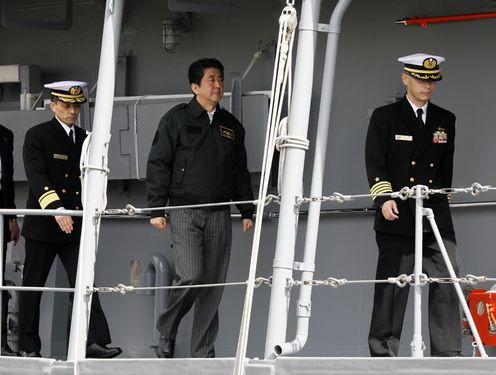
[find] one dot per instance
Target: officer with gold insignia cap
(411, 142)
(422, 66)
(51, 156)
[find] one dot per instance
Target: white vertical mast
(95, 178)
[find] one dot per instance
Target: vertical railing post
(417, 344)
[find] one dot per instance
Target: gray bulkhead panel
(147, 112)
(19, 122)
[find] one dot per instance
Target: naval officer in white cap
(411, 142)
(51, 156)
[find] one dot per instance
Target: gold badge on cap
(75, 90)
(430, 63)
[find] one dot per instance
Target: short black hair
(197, 69)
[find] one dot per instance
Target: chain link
(120, 288)
(403, 194)
(259, 281)
(272, 198)
(400, 281)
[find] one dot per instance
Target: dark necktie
(71, 135)
(420, 111)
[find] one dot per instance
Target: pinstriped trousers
(202, 245)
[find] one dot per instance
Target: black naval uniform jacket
(193, 161)
(7, 194)
(51, 161)
(400, 152)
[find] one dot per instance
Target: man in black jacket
(411, 142)
(51, 156)
(198, 156)
(10, 227)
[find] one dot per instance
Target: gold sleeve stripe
(47, 198)
(381, 188)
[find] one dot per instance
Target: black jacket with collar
(7, 180)
(400, 152)
(193, 161)
(51, 161)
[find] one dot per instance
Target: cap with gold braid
(68, 91)
(423, 66)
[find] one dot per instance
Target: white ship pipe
(293, 176)
(300, 339)
(304, 303)
(96, 179)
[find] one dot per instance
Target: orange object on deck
(482, 305)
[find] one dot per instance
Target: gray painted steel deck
(281, 366)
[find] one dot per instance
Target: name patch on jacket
(399, 137)
(439, 136)
(226, 132)
(60, 156)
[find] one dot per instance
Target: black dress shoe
(95, 350)
(165, 347)
(7, 351)
(24, 353)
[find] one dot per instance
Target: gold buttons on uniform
(63, 191)
(45, 188)
(431, 165)
(413, 162)
(66, 175)
(412, 179)
(77, 192)
(77, 207)
(430, 181)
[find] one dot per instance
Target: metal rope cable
(85, 167)
(283, 141)
(123, 289)
(131, 210)
(403, 194)
(401, 281)
(287, 23)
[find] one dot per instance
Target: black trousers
(37, 264)
(5, 294)
(396, 257)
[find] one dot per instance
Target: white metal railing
(417, 279)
